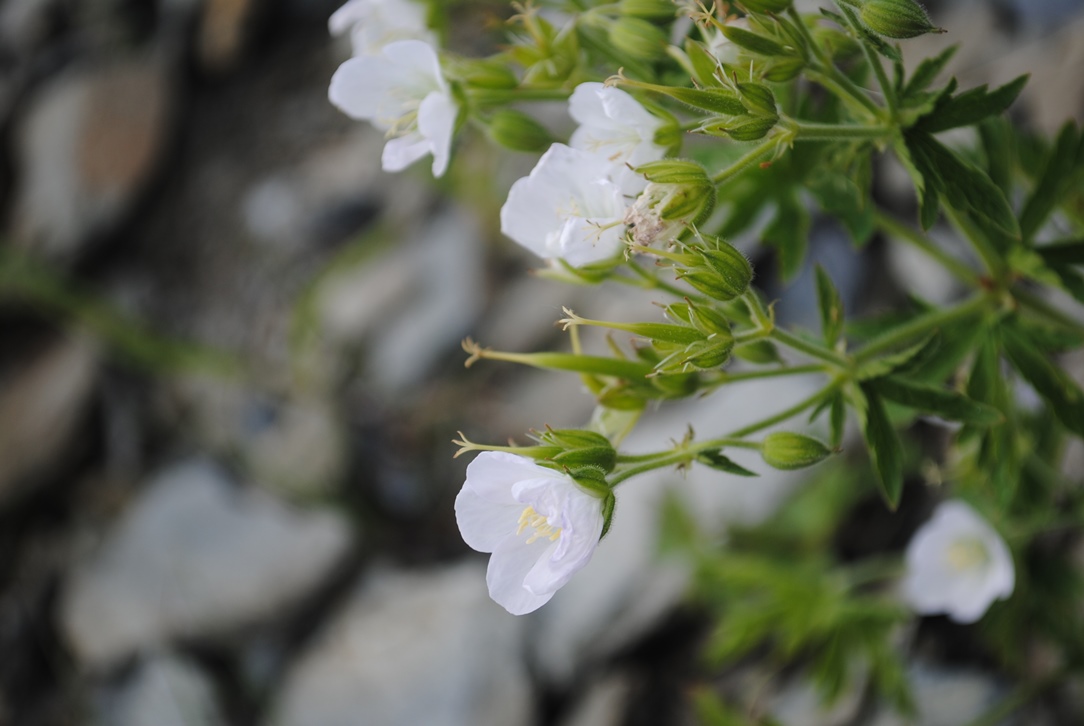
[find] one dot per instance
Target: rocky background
(230, 374)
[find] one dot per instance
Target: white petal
(359, 86)
(494, 474)
(484, 523)
(583, 241)
(508, 567)
(436, 122)
(401, 152)
(349, 15)
(420, 59)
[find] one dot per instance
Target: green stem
(831, 77)
(647, 281)
(887, 91)
(809, 348)
(921, 325)
(892, 227)
(504, 96)
(787, 413)
(989, 254)
(763, 150)
(687, 451)
(808, 131)
(722, 378)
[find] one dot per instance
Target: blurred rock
(23, 23)
(41, 406)
(163, 691)
(408, 649)
(86, 146)
(195, 556)
(604, 704)
(798, 703)
(295, 446)
(413, 304)
(224, 28)
(947, 696)
(626, 588)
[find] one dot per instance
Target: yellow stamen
(539, 524)
(966, 554)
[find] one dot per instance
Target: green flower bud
(752, 128)
(517, 131)
(896, 18)
(638, 38)
(603, 458)
(483, 73)
(724, 272)
(708, 320)
(649, 9)
(785, 450)
(758, 98)
(574, 438)
(764, 6)
(784, 69)
(592, 479)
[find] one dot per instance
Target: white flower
(957, 564)
(402, 91)
(568, 207)
(615, 125)
(539, 524)
(372, 24)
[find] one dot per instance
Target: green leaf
(1060, 165)
(1063, 252)
(927, 71)
(894, 361)
(938, 401)
(884, 446)
(846, 197)
(963, 185)
(831, 307)
(1053, 384)
(971, 107)
(865, 35)
(716, 460)
(788, 233)
(998, 144)
(752, 42)
(837, 420)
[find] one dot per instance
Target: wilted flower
(957, 564)
(568, 207)
(539, 524)
(615, 125)
(372, 24)
(402, 91)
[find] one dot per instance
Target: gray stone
(947, 696)
(195, 556)
(41, 406)
(412, 648)
(164, 691)
(604, 704)
(86, 146)
(414, 303)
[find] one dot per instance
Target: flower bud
(758, 98)
(724, 272)
(591, 479)
(483, 73)
(896, 18)
(708, 320)
(649, 9)
(765, 6)
(749, 128)
(580, 448)
(517, 131)
(786, 450)
(664, 210)
(638, 38)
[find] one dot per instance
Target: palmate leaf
(788, 233)
(1060, 392)
(1062, 165)
(883, 444)
(962, 184)
(938, 401)
(926, 72)
(970, 107)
